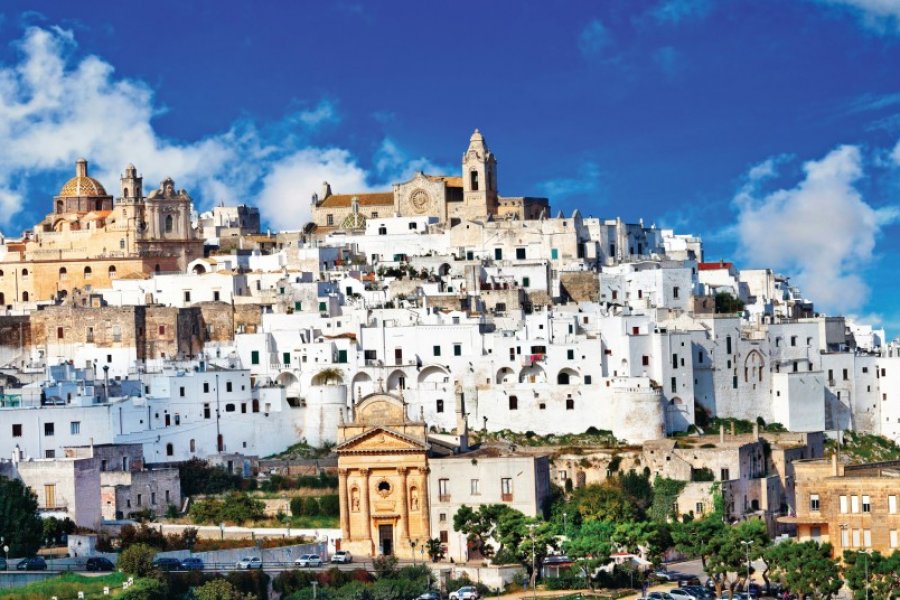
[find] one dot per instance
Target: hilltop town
(428, 350)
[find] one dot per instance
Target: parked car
(430, 595)
(699, 590)
(99, 563)
(467, 592)
(32, 563)
(735, 596)
(342, 556)
(666, 575)
(167, 563)
(689, 581)
(687, 594)
(192, 563)
(755, 590)
(658, 596)
(249, 562)
(308, 560)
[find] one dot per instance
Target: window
(846, 375)
(475, 486)
(442, 517)
(506, 489)
(229, 408)
(60, 333)
(473, 181)
(170, 449)
(444, 489)
(17, 432)
(207, 413)
(587, 379)
(842, 505)
(892, 504)
(854, 504)
(724, 475)
(48, 429)
(520, 253)
(254, 357)
(645, 360)
(814, 502)
(286, 358)
(49, 453)
(49, 495)
(674, 382)
(554, 253)
(436, 350)
(699, 508)
(63, 274)
(675, 292)
(187, 296)
(674, 361)
(793, 340)
(526, 282)
(440, 406)
(570, 404)
(498, 253)
(329, 219)
(444, 536)
(111, 272)
(457, 349)
(866, 504)
(856, 537)
(227, 386)
(728, 344)
(845, 538)
(513, 403)
(382, 230)
(140, 499)
(893, 538)
(75, 427)
(867, 538)
(169, 223)
(162, 330)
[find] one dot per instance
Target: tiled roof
(345, 200)
(453, 182)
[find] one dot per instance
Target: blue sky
(769, 127)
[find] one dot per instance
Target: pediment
(382, 440)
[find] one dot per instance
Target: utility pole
(531, 527)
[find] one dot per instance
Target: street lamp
(531, 527)
(565, 523)
(412, 547)
(747, 544)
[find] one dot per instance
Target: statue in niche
(354, 500)
(414, 499)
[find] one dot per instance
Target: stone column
(424, 506)
(364, 504)
(345, 504)
(403, 528)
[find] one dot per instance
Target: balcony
(506, 497)
(444, 498)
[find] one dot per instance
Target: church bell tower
(479, 174)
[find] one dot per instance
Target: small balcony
(444, 498)
(506, 497)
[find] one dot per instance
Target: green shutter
(254, 357)
(286, 358)
(342, 356)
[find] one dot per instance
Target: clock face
(419, 200)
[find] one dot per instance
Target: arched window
(24, 273)
(169, 223)
(112, 271)
(229, 408)
(59, 206)
(193, 445)
(156, 268)
(170, 450)
(440, 406)
(63, 274)
(1, 272)
(570, 404)
(98, 205)
(473, 179)
(513, 403)
(88, 272)
(24, 296)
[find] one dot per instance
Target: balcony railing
(506, 497)
(444, 498)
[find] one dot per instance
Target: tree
(726, 303)
(19, 520)
(435, 549)
(479, 525)
(665, 493)
(148, 588)
(137, 560)
(643, 537)
(872, 575)
(693, 537)
(198, 477)
(310, 506)
(805, 568)
(220, 589)
(729, 552)
(604, 502)
(590, 546)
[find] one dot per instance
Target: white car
(308, 560)
(468, 592)
(249, 562)
(341, 556)
(682, 594)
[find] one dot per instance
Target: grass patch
(866, 447)
(66, 587)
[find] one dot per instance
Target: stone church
(88, 239)
(383, 479)
(473, 196)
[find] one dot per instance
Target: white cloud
(895, 155)
(594, 38)
(56, 107)
(586, 182)
(880, 15)
(676, 11)
(821, 231)
(393, 163)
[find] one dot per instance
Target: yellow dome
(81, 185)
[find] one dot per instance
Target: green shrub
(137, 560)
(310, 506)
(330, 505)
(297, 506)
(198, 477)
(147, 588)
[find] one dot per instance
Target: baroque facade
(451, 199)
(89, 239)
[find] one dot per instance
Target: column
(364, 504)
(424, 505)
(403, 528)
(345, 505)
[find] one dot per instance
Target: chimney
(326, 190)
(721, 434)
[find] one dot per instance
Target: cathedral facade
(472, 196)
(89, 239)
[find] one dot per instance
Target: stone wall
(580, 286)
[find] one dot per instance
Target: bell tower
(479, 174)
(131, 184)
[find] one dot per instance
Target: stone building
(472, 196)
(853, 507)
(383, 479)
(65, 487)
(88, 239)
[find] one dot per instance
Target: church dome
(81, 185)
